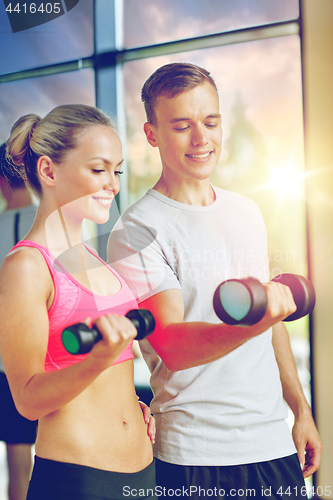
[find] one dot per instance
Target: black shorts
(14, 429)
(279, 479)
(53, 480)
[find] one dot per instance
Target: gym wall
(318, 106)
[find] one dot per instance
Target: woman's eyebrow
(104, 160)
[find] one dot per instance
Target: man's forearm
(291, 386)
(184, 345)
(187, 344)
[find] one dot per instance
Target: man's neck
(198, 193)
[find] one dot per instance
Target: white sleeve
(136, 253)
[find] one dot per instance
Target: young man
(218, 389)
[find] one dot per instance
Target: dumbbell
(80, 339)
(244, 301)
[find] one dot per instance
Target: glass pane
(261, 103)
(66, 38)
(40, 95)
(148, 22)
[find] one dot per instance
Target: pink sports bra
(73, 303)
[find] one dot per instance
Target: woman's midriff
(103, 427)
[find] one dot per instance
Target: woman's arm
(25, 290)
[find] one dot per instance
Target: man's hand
(149, 420)
(308, 444)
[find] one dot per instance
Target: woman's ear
(45, 168)
(150, 134)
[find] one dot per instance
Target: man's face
(188, 133)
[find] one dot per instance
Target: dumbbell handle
(244, 301)
(80, 339)
(303, 292)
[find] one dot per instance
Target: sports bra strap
(49, 259)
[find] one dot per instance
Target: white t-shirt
(229, 411)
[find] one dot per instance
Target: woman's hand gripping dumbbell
(80, 339)
(244, 301)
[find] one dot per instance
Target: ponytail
(19, 152)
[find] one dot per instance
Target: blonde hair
(54, 136)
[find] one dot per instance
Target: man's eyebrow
(175, 120)
(214, 116)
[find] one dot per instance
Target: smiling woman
(91, 169)
(91, 430)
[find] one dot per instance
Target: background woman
(92, 440)
(18, 433)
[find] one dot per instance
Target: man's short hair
(171, 80)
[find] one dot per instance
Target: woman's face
(88, 179)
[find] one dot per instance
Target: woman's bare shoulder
(24, 267)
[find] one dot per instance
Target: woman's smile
(104, 201)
